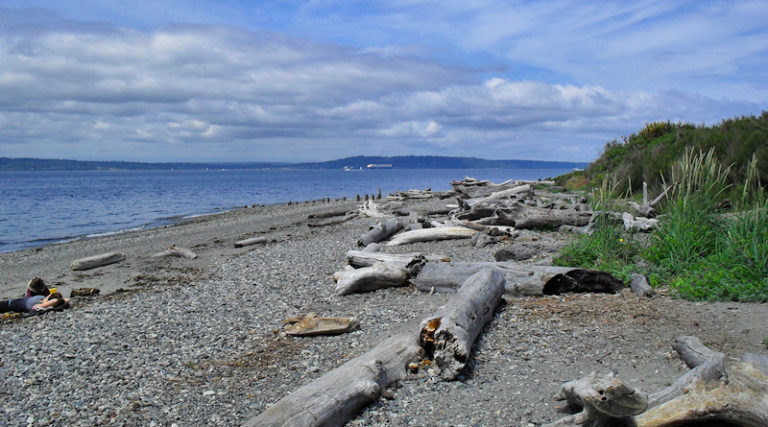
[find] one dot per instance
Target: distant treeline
(398, 162)
(649, 154)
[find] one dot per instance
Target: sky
(205, 80)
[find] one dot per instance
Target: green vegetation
(703, 249)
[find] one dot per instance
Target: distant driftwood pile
(485, 213)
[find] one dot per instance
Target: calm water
(37, 208)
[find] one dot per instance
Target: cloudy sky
(204, 80)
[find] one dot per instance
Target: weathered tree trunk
(250, 242)
(640, 286)
(638, 223)
(448, 335)
(532, 217)
(735, 393)
(647, 208)
(176, 251)
(97, 261)
(603, 399)
(337, 396)
(380, 232)
(360, 259)
(378, 276)
(430, 234)
(371, 209)
(520, 279)
(497, 196)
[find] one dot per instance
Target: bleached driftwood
(430, 234)
(250, 242)
(639, 285)
(529, 217)
(337, 396)
(601, 399)
(378, 276)
(329, 214)
(371, 209)
(647, 208)
(497, 196)
(520, 279)
(176, 251)
(638, 223)
(448, 335)
(380, 232)
(311, 325)
(359, 259)
(97, 261)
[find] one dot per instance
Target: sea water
(37, 208)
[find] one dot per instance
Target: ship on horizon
(379, 165)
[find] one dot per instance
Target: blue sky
(175, 80)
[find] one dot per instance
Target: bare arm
(49, 303)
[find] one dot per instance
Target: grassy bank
(712, 239)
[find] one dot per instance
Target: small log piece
(97, 261)
(176, 251)
(310, 325)
(337, 396)
(250, 242)
(639, 285)
(431, 234)
(329, 214)
(380, 232)
(448, 335)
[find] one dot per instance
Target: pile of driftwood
(485, 213)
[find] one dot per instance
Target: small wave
(203, 214)
(112, 233)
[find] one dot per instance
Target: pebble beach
(198, 342)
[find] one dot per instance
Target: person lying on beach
(37, 287)
(35, 304)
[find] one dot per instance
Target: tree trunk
(337, 396)
(430, 234)
(448, 335)
(521, 279)
(380, 232)
(97, 261)
(380, 275)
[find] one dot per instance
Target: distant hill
(397, 162)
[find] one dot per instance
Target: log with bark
(97, 261)
(380, 232)
(176, 251)
(520, 279)
(337, 396)
(431, 234)
(449, 334)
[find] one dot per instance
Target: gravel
(207, 348)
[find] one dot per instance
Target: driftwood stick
(449, 334)
(430, 234)
(380, 232)
(97, 261)
(176, 251)
(337, 396)
(250, 242)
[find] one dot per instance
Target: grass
(700, 251)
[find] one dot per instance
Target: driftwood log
(378, 276)
(448, 335)
(522, 216)
(520, 279)
(380, 232)
(337, 396)
(176, 251)
(431, 234)
(647, 208)
(310, 325)
(97, 261)
(638, 223)
(360, 259)
(497, 196)
(250, 242)
(329, 214)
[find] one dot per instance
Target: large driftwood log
(379, 276)
(533, 217)
(337, 396)
(498, 196)
(176, 251)
(601, 399)
(97, 261)
(430, 234)
(448, 335)
(360, 259)
(250, 242)
(380, 232)
(520, 279)
(371, 209)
